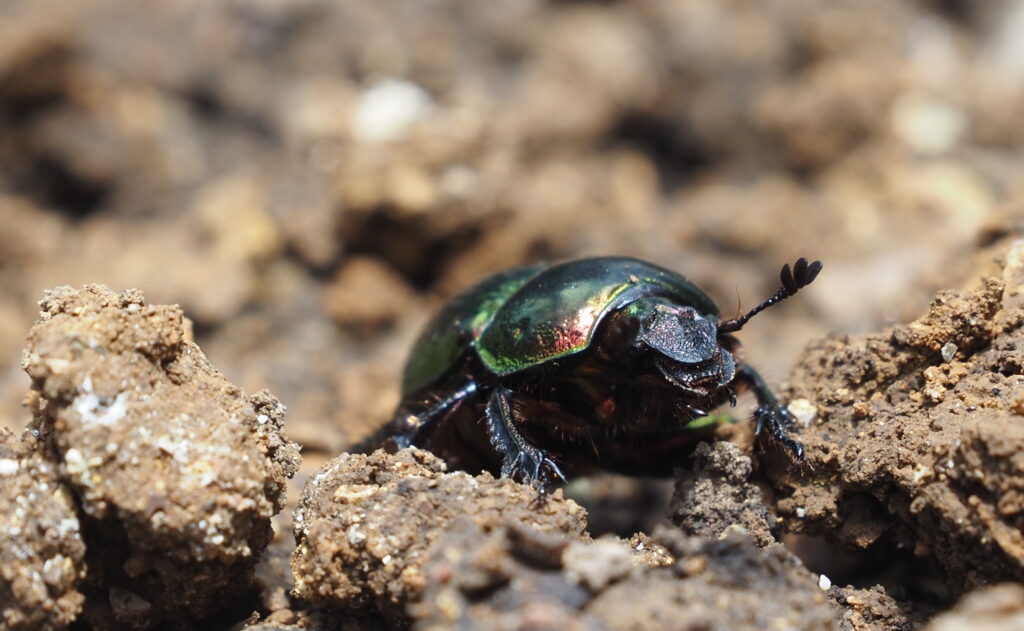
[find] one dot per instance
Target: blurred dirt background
(310, 179)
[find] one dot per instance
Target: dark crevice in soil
(53, 184)
(209, 106)
(34, 86)
(406, 244)
(675, 149)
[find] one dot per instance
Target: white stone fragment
(803, 411)
(921, 472)
(8, 466)
(75, 462)
(387, 110)
(93, 409)
(948, 351)
(926, 125)
(355, 535)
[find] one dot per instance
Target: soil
(174, 472)
(42, 550)
(915, 443)
(297, 186)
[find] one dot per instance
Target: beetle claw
(541, 483)
(535, 468)
(555, 470)
(777, 421)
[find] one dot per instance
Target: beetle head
(679, 333)
(686, 345)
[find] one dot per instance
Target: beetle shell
(459, 324)
(556, 313)
(527, 316)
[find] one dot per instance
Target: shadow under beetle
(602, 363)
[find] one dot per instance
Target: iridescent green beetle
(607, 363)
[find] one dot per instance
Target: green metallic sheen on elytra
(458, 324)
(555, 314)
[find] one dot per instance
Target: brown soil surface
(399, 537)
(366, 525)
(996, 608)
(310, 180)
(915, 445)
(42, 556)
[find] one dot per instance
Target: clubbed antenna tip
(793, 280)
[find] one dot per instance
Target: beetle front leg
(520, 459)
(770, 415)
(409, 428)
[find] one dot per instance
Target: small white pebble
(948, 351)
(67, 525)
(75, 462)
(824, 582)
(355, 536)
(8, 466)
(921, 472)
(801, 512)
(929, 126)
(803, 411)
(387, 110)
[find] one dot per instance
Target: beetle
(599, 363)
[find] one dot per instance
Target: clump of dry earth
(915, 440)
(167, 474)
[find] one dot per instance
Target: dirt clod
(42, 556)
(399, 535)
(993, 608)
(367, 524)
(873, 609)
(711, 584)
(934, 465)
(717, 494)
(176, 471)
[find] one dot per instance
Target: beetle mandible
(609, 363)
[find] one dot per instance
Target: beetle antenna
(793, 280)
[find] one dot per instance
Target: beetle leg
(520, 459)
(406, 428)
(770, 415)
